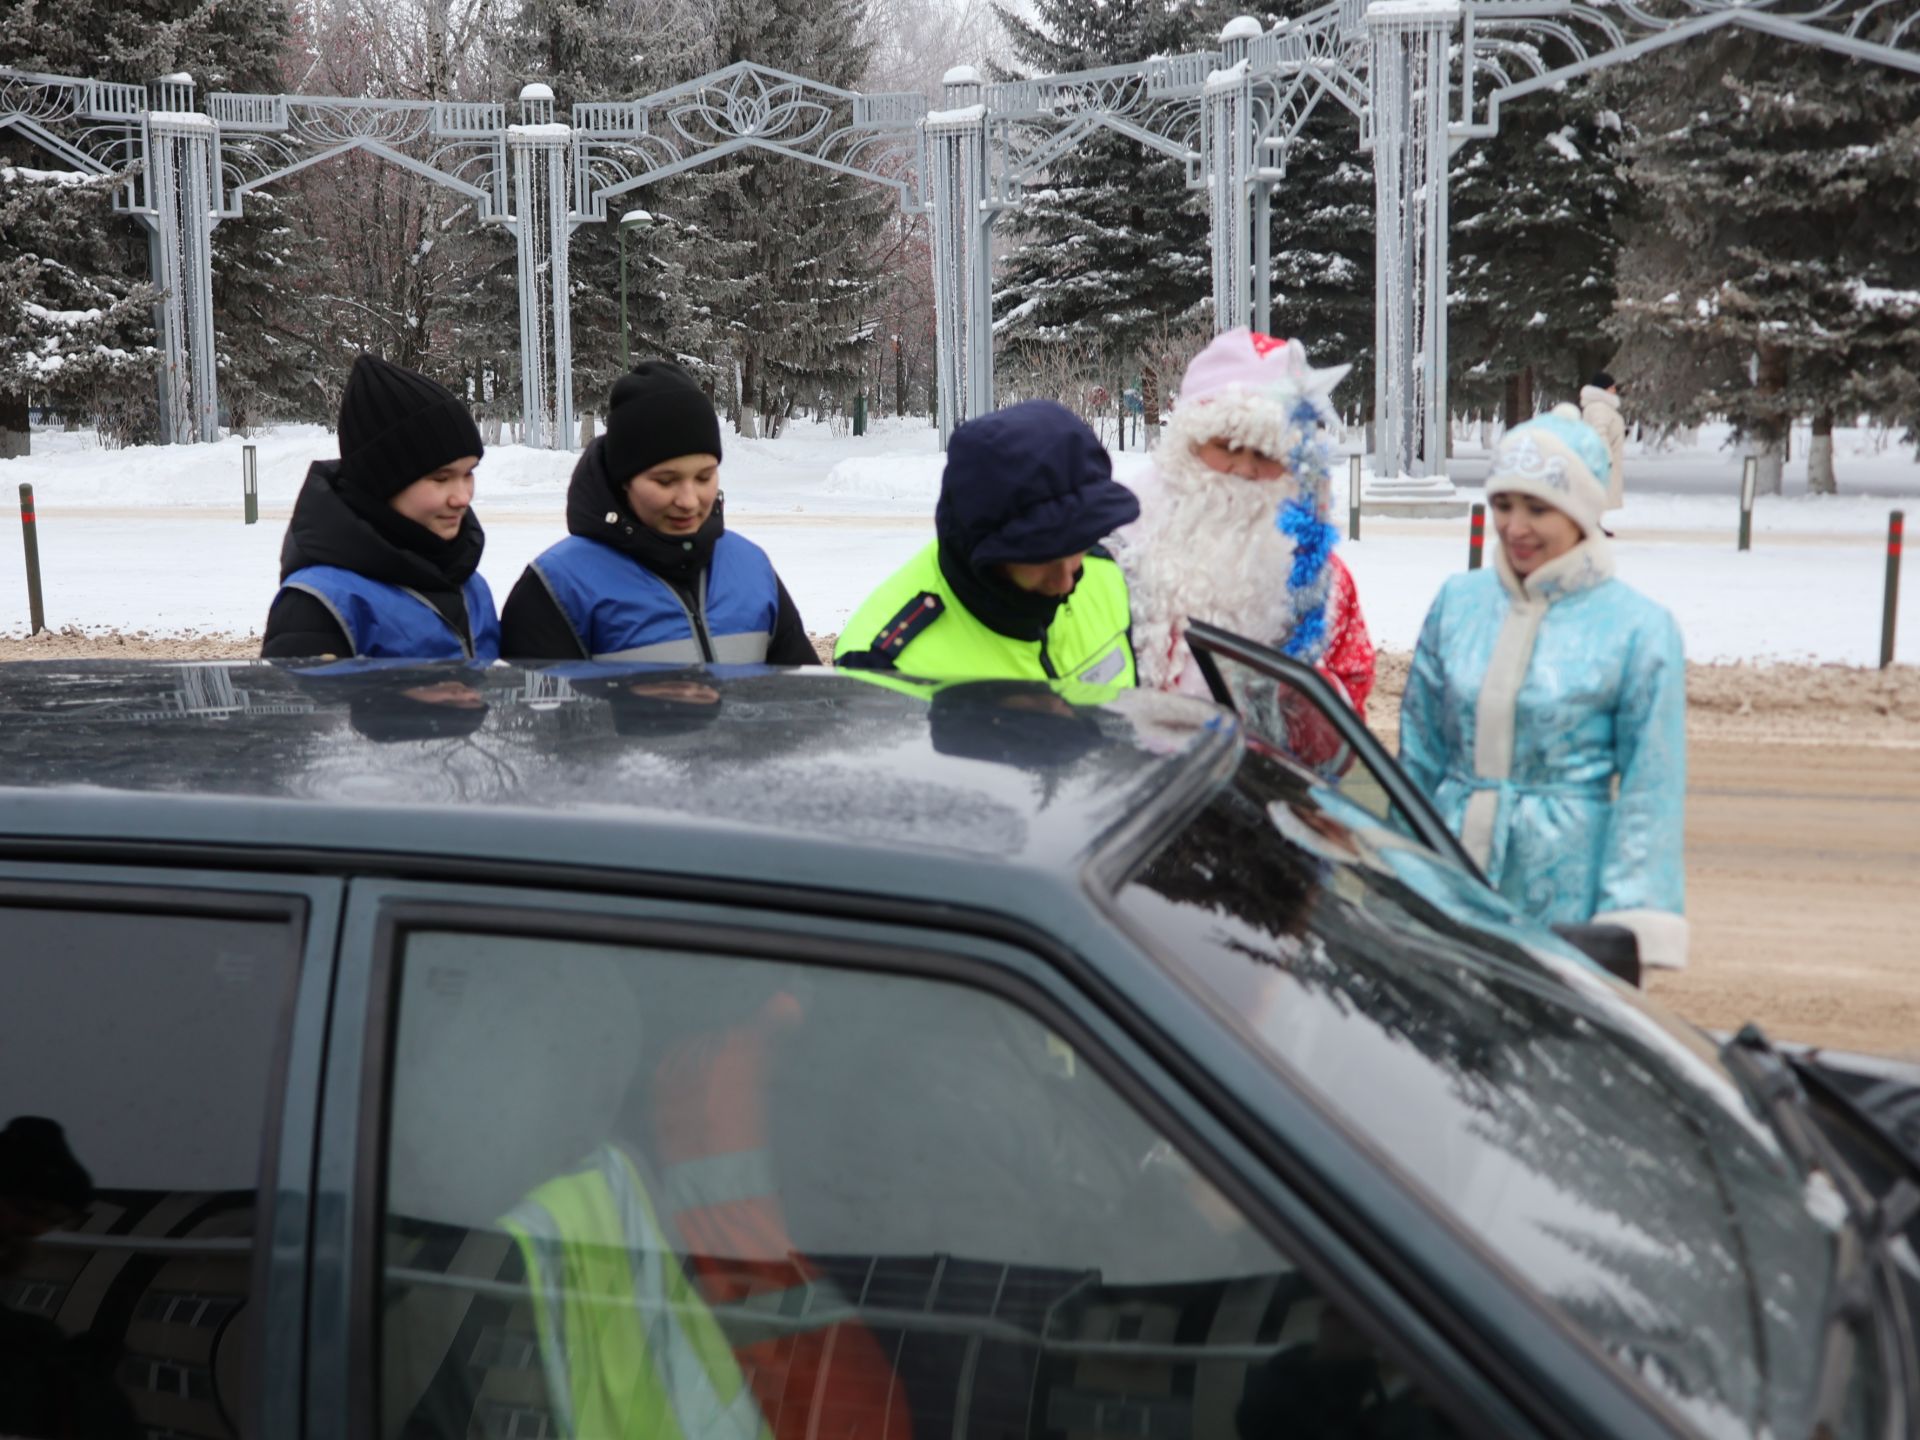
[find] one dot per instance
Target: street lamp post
(633, 219)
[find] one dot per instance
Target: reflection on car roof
(987, 770)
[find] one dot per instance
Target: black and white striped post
(30, 534)
(250, 483)
(1353, 498)
(1896, 536)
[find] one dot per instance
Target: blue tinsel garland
(1303, 521)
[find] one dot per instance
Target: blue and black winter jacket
(616, 590)
(361, 583)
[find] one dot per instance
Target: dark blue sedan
(430, 1052)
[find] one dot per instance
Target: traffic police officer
(1014, 586)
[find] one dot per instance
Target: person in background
(382, 556)
(1545, 713)
(1013, 585)
(1600, 408)
(1233, 525)
(649, 570)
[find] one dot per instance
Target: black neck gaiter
(997, 602)
(453, 560)
(677, 559)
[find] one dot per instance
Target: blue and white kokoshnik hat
(1558, 458)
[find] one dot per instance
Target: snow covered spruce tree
(76, 331)
(600, 50)
(1533, 252)
(235, 45)
(1323, 271)
(1772, 262)
(1109, 256)
(800, 330)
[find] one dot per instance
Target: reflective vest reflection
(630, 1351)
(814, 1377)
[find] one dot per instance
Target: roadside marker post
(1749, 482)
(30, 533)
(1476, 537)
(250, 483)
(1896, 532)
(1353, 498)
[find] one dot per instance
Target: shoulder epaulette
(906, 626)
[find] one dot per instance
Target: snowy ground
(151, 538)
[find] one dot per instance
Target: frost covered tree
(1772, 263)
(1322, 246)
(1111, 250)
(1531, 286)
(235, 45)
(75, 331)
(601, 50)
(802, 328)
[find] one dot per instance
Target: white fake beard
(1207, 549)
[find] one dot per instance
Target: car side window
(1289, 725)
(137, 1058)
(645, 1192)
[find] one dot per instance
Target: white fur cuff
(1661, 933)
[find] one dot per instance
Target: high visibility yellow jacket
(629, 1347)
(916, 624)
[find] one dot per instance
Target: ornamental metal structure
(1425, 77)
(1421, 78)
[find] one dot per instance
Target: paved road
(1803, 869)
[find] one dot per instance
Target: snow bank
(913, 478)
(150, 538)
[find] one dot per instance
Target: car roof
(572, 763)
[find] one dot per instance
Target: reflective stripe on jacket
(383, 621)
(620, 610)
(1087, 643)
(629, 1348)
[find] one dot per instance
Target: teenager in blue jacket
(381, 559)
(1545, 713)
(649, 571)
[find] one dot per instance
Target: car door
(598, 1164)
(1294, 711)
(160, 1034)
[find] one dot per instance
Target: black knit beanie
(657, 411)
(396, 426)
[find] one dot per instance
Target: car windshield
(1600, 1152)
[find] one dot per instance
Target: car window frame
(345, 1389)
(1210, 641)
(311, 906)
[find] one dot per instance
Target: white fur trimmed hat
(1250, 389)
(1557, 458)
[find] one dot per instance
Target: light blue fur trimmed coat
(1530, 704)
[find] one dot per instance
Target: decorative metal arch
(622, 146)
(1436, 73)
(1422, 76)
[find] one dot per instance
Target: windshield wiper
(1863, 1287)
